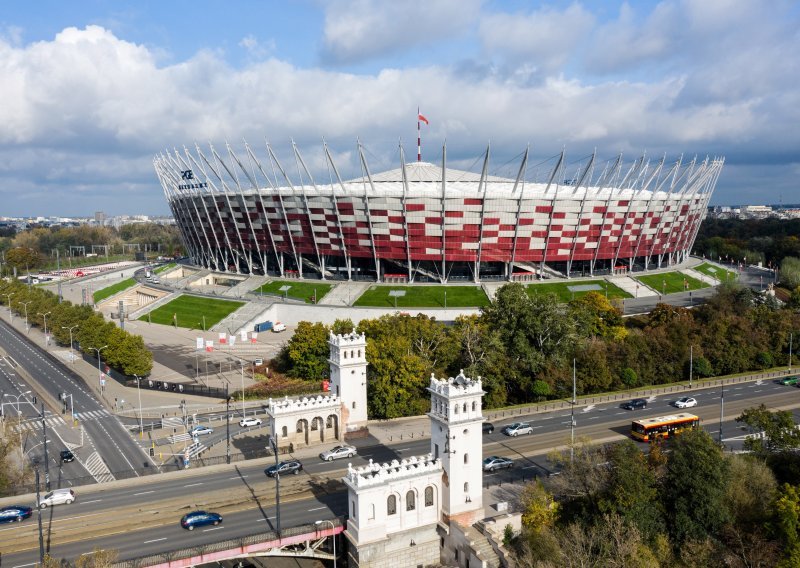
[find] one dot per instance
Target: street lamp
(17, 397)
(139, 393)
(46, 342)
(25, 305)
(99, 373)
(71, 353)
(333, 537)
(10, 313)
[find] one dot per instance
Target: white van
(278, 327)
(57, 497)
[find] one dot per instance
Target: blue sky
(92, 90)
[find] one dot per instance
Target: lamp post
(25, 305)
(139, 394)
(691, 364)
(10, 313)
(39, 515)
(273, 442)
(790, 352)
(241, 362)
(99, 373)
(71, 351)
(333, 536)
(46, 341)
(17, 397)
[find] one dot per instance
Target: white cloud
(358, 30)
(257, 49)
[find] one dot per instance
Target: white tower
(456, 439)
(348, 361)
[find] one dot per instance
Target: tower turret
(348, 366)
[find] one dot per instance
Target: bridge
(301, 541)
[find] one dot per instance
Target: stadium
(245, 213)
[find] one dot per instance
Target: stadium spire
(420, 118)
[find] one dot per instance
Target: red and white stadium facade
(245, 214)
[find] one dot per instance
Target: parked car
(518, 428)
(685, 402)
(494, 463)
(57, 497)
(250, 421)
(338, 452)
(635, 404)
(487, 427)
(284, 468)
(790, 380)
(278, 327)
(15, 513)
(67, 456)
(200, 519)
(200, 430)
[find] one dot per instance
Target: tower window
(466, 459)
(359, 353)
(410, 504)
(391, 505)
(466, 487)
(474, 406)
(354, 404)
(455, 409)
(345, 355)
(465, 408)
(429, 496)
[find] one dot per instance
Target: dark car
(487, 427)
(200, 519)
(790, 380)
(15, 513)
(635, 404)
(284, 468)
(67, 456)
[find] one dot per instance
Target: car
(494, 463)
(57, 497)
(278, 327)
(200, 430)
(487, 427)
(249, 421)
(67, 456)
(15, 513)
(790, 380)
(517, 428)
(284, 468)
(338, 452)
(686, 402)
(200, 519)
(635, 404)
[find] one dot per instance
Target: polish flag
(422, 118)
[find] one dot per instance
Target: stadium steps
(184, 282)
(306, 262)
(152, 306)
(240, 318)
(711, 281)
(246, 286)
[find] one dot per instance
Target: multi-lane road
(103, 430)
(138, 518)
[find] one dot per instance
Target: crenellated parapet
(292, 405)
(375, 474)
(455, 387)
(347, 339)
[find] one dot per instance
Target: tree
(780, 431)
(789, 273)
(787, 523)
(596, 316)
(307, 352)
(694, 488)
(98, 558)
(539, 509)
(23, 257)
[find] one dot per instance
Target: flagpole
(419, 139)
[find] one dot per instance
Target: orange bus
(650, 429)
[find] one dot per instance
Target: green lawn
(299, 289)
(161, 269)
(424, 297)
(189, 312)
(671, 282)
(109, 291)
(715, 271)
(562, 289)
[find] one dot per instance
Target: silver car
(518, 428)
(494, 463)
(338, 452)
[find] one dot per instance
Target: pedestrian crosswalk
(33, 424)
(92, 415)
(98, 469)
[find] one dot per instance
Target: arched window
(359, 353)
(354, 404)
(466, 487)
(410, 504)
(284, 431)
(344, 355)
(391, 505)
(455, 409)
(429, 496)
(466, 459)
(474, 406)
(351, 353)
(465, 408)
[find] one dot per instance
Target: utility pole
(227, 425)
(572, 415)
(790, 352)
(721, 411)
(39, 515)
(691, 364)
(46, 461)
(274, 443)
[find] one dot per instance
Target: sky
(92, 91)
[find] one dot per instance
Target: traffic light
(34, 400)
(152, 452)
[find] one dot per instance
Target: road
(103, 431)
(142, 518)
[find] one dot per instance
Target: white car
(686, 402)
(57, 497)
(250, 421)
(278, 327)
(200, 430)
(338, 452)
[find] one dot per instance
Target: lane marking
(403, 449)
(236, 477)
(193, 484)
(87, 502)
(317, 509)
(212, 529)
(145, 492)
(154, 540)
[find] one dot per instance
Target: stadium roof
(427, 172)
